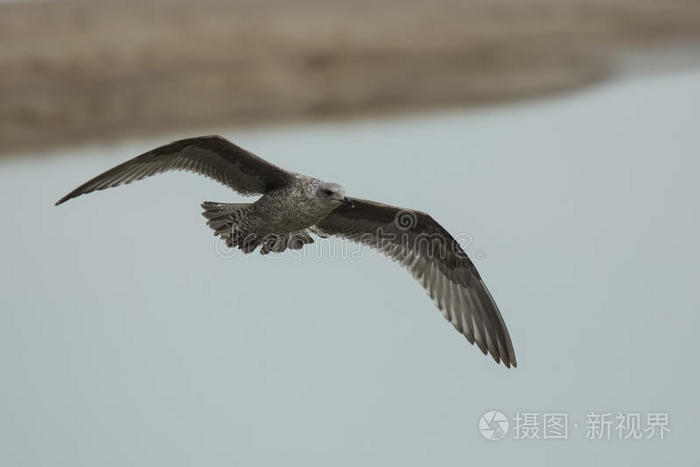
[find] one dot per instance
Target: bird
(291, 207)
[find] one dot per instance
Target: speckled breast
(290, 210)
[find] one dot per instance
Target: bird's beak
(348, 202)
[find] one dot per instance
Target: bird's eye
(328, 192)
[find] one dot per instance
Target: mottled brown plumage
(293, 205)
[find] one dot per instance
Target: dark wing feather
(436, 260)
(212, 156)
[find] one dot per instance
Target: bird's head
(332, 193)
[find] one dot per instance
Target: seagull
(291, 207)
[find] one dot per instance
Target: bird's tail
(238, 226)
(232, 223)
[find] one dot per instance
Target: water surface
(125, 339)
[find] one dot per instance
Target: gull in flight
(292, 206)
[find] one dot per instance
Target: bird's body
(280, 219)
(292, 207)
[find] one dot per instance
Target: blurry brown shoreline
(75, 72)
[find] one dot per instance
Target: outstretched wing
(436, 260)
(212, 156)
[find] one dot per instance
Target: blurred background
(559, 137)
(86, 71)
